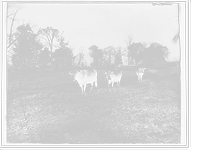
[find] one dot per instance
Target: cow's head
(74, 74)
(109, 76)
(142, 69)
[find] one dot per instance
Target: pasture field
(41, 79)
(48, 107)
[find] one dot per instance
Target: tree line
(35, 50)
(30, 52)
(151, 55)
(48, 49)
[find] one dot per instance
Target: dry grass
(49, 108)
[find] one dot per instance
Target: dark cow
(139, 73)
(85, 76)
(113, 75)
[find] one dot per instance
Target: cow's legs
(92, 85)
(112, 84)
(84, 88)
(96, 85)
(139, 78)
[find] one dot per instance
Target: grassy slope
(47, 107)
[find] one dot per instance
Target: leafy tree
(26, 48)
(21, 30)
(118, 57)
(109, 56)
(97, 55)
(135, 49)
(35, 52)
(49, 34)
(44, 58)
(63, 56)
(155, 55)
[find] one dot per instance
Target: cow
(84, 77)
(140, 73)
(113, 77)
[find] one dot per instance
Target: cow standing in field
(140, 73)
(113, 77)
(84, 77)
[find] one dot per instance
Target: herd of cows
(84, 77)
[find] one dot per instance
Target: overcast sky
(106, 24)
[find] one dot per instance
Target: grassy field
(41, 79)
(48, 107)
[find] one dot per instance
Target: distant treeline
(48, 49)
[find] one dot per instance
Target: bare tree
(80, 58)
(11, 29)
(128, 42)
(49, 34)
(12, 16)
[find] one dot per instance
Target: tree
(44, 58)
(155, 55)
(25, 49)
(80, 59)
(118, 57)
(134, 51)
(109, 56)
(128, 42)
(35, 46)
(63, 56)
(49, 34)
(97, 55)
(11, 18)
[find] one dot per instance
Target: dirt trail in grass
(54, 111)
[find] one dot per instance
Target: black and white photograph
(104, 74)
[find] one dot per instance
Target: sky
(106, 24)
